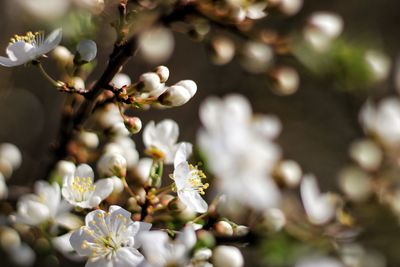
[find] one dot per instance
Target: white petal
(77, 238)
(84, 171)
(187, 237)
(167, 131)
(20, 52)
(50, 43)
(183, 152)
(103, 189)
(193, 201)
(6, 62)
(180, 175)
(148, 133)
(99, 262)
(127, 257)
(93, 216)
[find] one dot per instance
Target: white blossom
(188, 182)
(44, 205)
(23, 49)
(383, 120)
(161, 140)
(160, 251)
(238, 152)
(112, 164)
(319, 207)
(79, 189)
(109, 239)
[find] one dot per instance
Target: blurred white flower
(161, 140)
(256, 57)
(126, 147)
(63, 168)
(12, 154)
(157, 44)
(383, 120)
(3, 187)
(23, 49)
(109, 239)
(378, 63)
(239, 151)
(319, 207)
(322, 29)
(319, 262)
(44, 205)
(227, 256)
(188, 182)
(48, 10)
(160, 251)
(142, 169)
(79, 189)
(62, 244)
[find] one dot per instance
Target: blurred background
(319, 120)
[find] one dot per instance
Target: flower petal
(193, 201)
(50, 43)
(183, 152)
(84, 171)
(20, 52)
(103, 188)
(148, 133)
(6, 62)
(127, 257)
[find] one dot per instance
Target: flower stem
(46, 75)
(127, 188)
(202, 216)
(164, 190)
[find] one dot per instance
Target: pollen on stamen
(196, 179)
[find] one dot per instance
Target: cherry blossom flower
(161, 140)
(160, 251)
(109, 239)
(23, 49)
(188, 182)
(44, 205)
(79, 189)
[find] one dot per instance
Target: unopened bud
(257, 57)
(290, 7)
(223, 228)
(223, 50)
(367, 154)
(89, 139)
(286, 80)
(120, 80)
(6, 168)
(275, 219)
(227, 256)
(12, 154)
(62, 55)
(163, 73)
(9, 238)
(189, 85)
(290, 172)
(64, 168)
(149, 82)
(133, 204)
(77, 83)
(355, 183)
(133, 124)
(111, 164)
(86, 51)
(175, 96)
(94, 6)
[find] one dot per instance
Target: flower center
(108, 235)
(81, 186)
(195, 180)
(34, 39)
